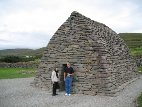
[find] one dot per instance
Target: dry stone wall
(98, 55)
(138, 60)
(31, 64)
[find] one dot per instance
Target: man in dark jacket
(68, 76)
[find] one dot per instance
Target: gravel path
(19, 93)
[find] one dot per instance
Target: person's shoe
(53, 94)
(66, 94)
(69, 94)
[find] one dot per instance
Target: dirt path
(19, 93)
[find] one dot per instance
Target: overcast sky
(31, 23)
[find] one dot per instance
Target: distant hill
(134, 42)
(21, 52)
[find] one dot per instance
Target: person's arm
(72, 74)
(52, 76)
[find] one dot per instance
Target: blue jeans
(68, 84)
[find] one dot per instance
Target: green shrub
(140, 69)
(139, 100)
(11, 59)
(15, 59)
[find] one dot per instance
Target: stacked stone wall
(19, 65)
(138, 60)
(98, 55)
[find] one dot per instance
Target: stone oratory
(99, 56)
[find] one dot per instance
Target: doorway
(62, 83)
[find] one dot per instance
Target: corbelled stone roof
(100, 58)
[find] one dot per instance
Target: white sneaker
(66, 94)
(69, 94)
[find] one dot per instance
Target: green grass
(140, 69)
(134, 42)
(139, 100)
(9, 73)
(136, 51)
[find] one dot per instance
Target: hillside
(21, 52)
(134, 42)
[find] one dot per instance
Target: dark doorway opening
(62, 84)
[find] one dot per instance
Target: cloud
(4, 41)
(24, 40)
(48, 16)
(26, 21)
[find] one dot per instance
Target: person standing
(68, 76)
(55, 80)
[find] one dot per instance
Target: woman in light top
(55, 80)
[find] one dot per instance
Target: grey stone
(98, 55)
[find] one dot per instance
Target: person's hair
(68, 63)
(56, 73)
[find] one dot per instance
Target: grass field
(9, 73)
(139, 101)
(134, 42)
